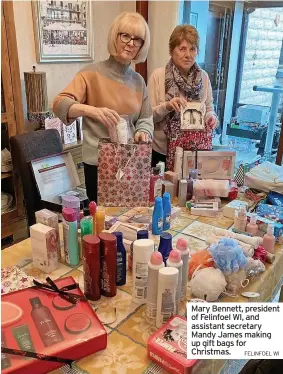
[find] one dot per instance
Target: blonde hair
(183, 32)
(133, 24)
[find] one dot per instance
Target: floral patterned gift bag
(123, 174)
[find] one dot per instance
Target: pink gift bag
(123, 174)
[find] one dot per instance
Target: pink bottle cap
(92, 207)
(175, 256)
(182, 244)
(69, 214)
(156, 258)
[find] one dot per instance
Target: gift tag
(250, 294)
(119, 174)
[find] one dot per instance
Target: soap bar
(229, 209)
(44, 247)
(48, 218)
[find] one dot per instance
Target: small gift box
(168, 347)
(48, 326)
(273, 212)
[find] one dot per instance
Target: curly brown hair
(183, 32)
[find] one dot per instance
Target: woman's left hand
(212, 121)
(142, 137)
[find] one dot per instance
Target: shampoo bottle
(121, 260)
(166, 296)
(240, 221)
(269, 239)
(143, 250)
(157, 217)
(252, 227)
(166, 210)
(70, 233)
(155, 263)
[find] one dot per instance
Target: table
(128, 330)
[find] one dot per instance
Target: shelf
(6, 175)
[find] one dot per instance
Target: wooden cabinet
(12, 117)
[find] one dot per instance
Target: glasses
(126, 38)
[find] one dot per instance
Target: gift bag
(123, 174)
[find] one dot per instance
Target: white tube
(166, 297)
(182, 246)
(175, 261)
(142, 250)
(155, 264)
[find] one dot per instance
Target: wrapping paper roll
(253, 241)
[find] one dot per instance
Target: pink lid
(182, 244)
(156, 258)
(175, 256)
(69, 214)
(92, 207)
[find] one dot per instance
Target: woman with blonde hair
(171, 88)
(104, 90)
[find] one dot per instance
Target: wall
(162, 19)
(264, 41)
(59, 74)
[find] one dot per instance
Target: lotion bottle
(269, 239)
(155, 264)
(252, 227)
(174, 261)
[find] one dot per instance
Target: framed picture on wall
(63, 30)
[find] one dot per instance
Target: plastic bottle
(269, 239)
(70, 233)
(91, 266)
(166, 210)
(92, 209)
(86, 223)
(174, 261)
(121, 260)
(252, 227)
(45, 323)
(165, 245)
(155, 186)
(166, 296)
(99, 220)
(69, 201)
(155, 263)
(141, 234)
(182, 246)
(108, 263)
(157, 217)
(143, 249)
(240, 221)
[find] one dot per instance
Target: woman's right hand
(108, 117)
(176, 104)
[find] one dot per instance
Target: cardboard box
(168, 347)
(48, 218)
(172, 177)
(55, 176)
(54, 123)
(229, 209)
(273, 212)
(47, 324)
(69, 133)
(210, 164)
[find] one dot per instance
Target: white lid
(144, 245)
(168, 274)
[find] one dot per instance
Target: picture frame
(63, 31)
(193, 19)
(192, 117)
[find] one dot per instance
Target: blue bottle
(166, 210)
(165, 245)
(157, 216)
(121, 260)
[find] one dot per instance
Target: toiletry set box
(168, 347)
(271, 212)
(41, 321)
(263, 222)
(55, 176)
